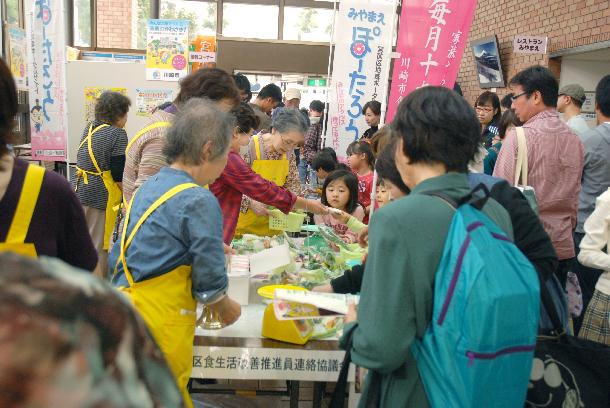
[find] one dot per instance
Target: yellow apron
(165, 303)
(115, 194)
(275, 171)
(18, 231)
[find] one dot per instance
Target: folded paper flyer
(295, 305)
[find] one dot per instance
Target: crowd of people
(153, 215)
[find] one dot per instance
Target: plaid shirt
(313, 142)
(238, 179)
(555, 160)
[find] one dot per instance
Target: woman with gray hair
(272, 156)
(99, 171)
(170, 256)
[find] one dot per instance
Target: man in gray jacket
(595, 181)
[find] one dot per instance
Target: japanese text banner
(363, 31)
(47, 81)
(431, 41)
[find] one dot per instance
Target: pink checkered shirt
(555, 160)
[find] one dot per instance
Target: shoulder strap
(91, 132)
(257, 147)
(27, 203)
(148, 128)
(521, 169)
(126, 242)
(478, 201)
(443, 196)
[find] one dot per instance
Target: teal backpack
(479, 347)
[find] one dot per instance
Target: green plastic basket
(282, 222)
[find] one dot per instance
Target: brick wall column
(567, 23)
(114, 23)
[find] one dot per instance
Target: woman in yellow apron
(272, 156)
(39, 213)
(171, 255)
(99, 170)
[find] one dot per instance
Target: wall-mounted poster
(167, 47)
(589, 105)
(487, 59)
(92, 93)
(203, 52)
(149, 99)
(17, 54)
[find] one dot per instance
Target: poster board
(83, 74)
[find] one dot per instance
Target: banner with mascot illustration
(46, 42)
(167, 48)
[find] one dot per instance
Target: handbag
(567, 372)
(521, 170)
(574, 295)
(340, 392)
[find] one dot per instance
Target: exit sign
(316, 82)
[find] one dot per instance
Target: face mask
(243, 150)
(314, 120)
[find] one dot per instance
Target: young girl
(361, 160)
(340, 191)
(382, 194)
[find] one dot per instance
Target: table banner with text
(267, 364)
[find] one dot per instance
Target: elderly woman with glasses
(239, 180)
(170, 255)
(271, 155)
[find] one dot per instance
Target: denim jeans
(302, 166)
(307, 175)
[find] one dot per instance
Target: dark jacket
(491, 131)
(369, 133)
(531, 239)
(530, 236)
(350, 281)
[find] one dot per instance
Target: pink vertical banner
(431, 41)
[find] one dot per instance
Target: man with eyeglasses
(555, 158)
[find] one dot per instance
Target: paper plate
(269, 290)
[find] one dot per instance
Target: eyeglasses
(484, 109)
(515, 97)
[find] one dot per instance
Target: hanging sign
(431, 41)
(167, 43)
(47, 78)
(524, 44)
(363, 31)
